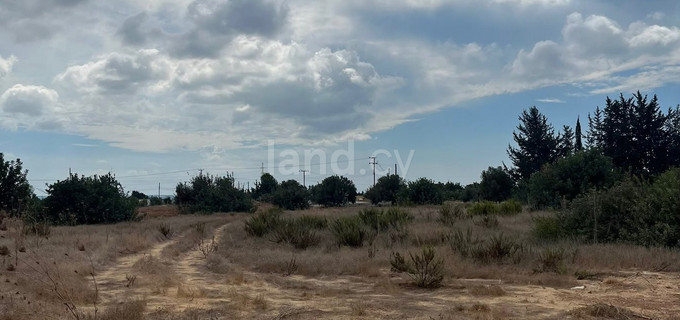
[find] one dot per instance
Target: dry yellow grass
(249, 277)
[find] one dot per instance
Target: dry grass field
(171, 266)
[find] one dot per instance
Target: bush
(463, 242)
(569, 177)
(206, 193)
(14, 187)
(291, 195)
(487, 221)
(313, 222)
(547, 228)
(483, 208)
(87, 200)
(552, 260)
(450, 212)
(509, 207)
(349, 231)
(265, 189)
(425, 270)
(295, 232)
(498, 249)
(264, 222)
(380, 221)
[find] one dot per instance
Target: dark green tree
(570, 177)
(88, 200)
(578, 144)
(207, 193)
(565, 146)
(291, 195)
(536, 144)
(15, 191)
(138, 195)
(334, 191)
(388, 188)
(424, 191)
(265, 187)
(496, 185)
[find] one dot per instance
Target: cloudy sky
(155, 90)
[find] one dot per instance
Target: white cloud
(28, 100)
(550, 100)
(6, 65)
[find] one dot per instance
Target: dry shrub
(605, 311)
(487, 290)
(130, 310)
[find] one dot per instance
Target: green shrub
(483, 208)
(295, 232)
(510, 207)
(462, 242)
(291, 195)
(374, 219)
(313, 222)
(498, 249)
(349, 231)
(208, 194)
(264, 222)
(397, 218)
(547, 228)
(450, 212)
(425, 270)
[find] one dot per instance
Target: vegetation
(291, 195)
(390, 188)
(349, 231)
(87, 200)
(424, 191)
(425, 269)
(14, 188)
(496, 184)
(207, 193)
(334, 191)
(265, 188)
(536, 144)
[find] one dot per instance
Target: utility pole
(159, 190)
(304, 172)
(395, 169)
(373, 162)
(262, 169)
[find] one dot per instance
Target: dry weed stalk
(207, 247)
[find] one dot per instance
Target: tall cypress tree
(648, 145)
(578, 144)
(536, 144)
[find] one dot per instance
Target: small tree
(496, 184)
(388, 188)
(266, 187)
(335, 191)
(291, 195)
(14, 188)
(88, 200)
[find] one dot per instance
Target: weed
(207, 247)
(493, 290)
(462, 242)
(313, 222)
(450, 212)
(165, 230)
(130, 280)
(425, 270)
(199, 229)
(487, 221)
(296, 232)
(291, 266)
(4, 251)
(552, 260)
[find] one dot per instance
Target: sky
(155, 91)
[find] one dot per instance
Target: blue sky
(155, 90)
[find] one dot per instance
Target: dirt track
(244, 294)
